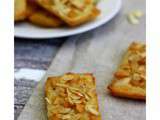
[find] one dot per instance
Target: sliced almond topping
(132, 58)
(75, 97)
(77, 3)
(66, 86)
(138, 80)
(91, 109)
(66, 110)
(62, 85)
(66, 117)
(77, 101)
(73, 88)
(68, 77)
(70, 101)
(87, 97)
(141, 70)
(48, 101)
(76, 92)
(134, 16)
(138, 13)
(72, 96)
(132, 19)
(90, 94)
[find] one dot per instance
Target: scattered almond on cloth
(134, 17)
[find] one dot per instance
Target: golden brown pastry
(130, 78)
(72, 12)
(40, 17)
(43, 19)
(20, 7)
(72, 97)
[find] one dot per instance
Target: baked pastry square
(130, 78)
(72, 97)
(72, 12)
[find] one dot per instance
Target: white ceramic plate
(109, 8)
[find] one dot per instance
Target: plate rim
(86, 29)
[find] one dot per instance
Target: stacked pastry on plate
(54, 13)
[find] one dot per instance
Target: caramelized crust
(72, 97)
(130, 78)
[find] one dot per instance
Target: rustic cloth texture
(23, 90)
(34, 54)
(99, 52)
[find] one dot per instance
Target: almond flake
(77, 3)
(70, 100)
(62, 85)
(76, 92)
(90, 108)
(75, 97)
(138, 13)
(73, 88)
(87, 97)
(68, 77)
(48, 101)
(134, 16)
(132, 19)
(65, 117)
(66, 110)
(77, 101)
(66, 86)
